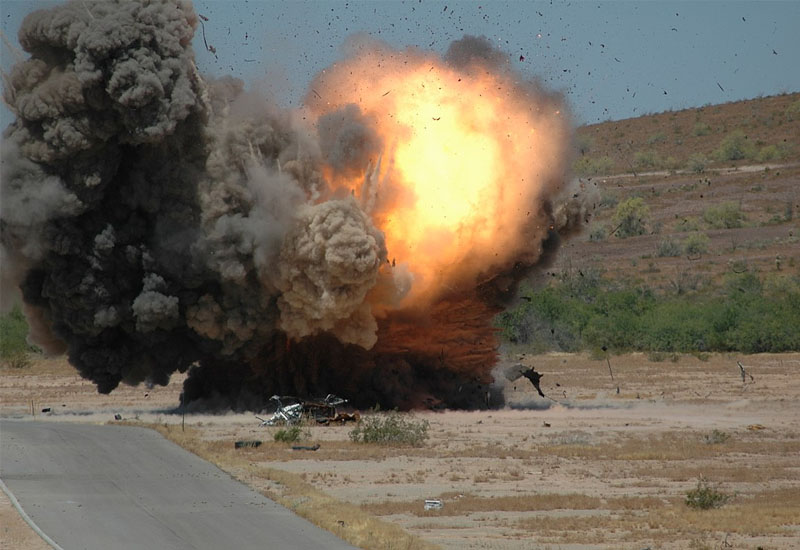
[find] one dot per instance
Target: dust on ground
(600, 463)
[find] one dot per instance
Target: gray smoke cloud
(155, 220)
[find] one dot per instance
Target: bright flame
(467, 157)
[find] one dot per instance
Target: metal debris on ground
(253, 443)
(434, 504)
(305, 447)
(291, 410)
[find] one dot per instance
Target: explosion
(459, 154)
(158, 221)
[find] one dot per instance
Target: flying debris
(519, 370)
(535, 379)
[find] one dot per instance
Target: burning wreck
(293, 410)
(156, 220)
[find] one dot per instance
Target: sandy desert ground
(600, 464)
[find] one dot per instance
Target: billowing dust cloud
(157, 220)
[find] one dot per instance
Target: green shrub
(727, 215)
(390, 428)
(793, 111)
(735, 146)
(671, 163)
(697, 163)
(695, 244)
(688, 224)
(290, 434)
(658, 137)
(773, 152)
(630, 217)
(597, 233)
(588, 166)
(13, 335)
(716, 437)
(608, 200)
(705, 497)
(583, 144)
(581, 310)
(701, 129)
(668, 249)
(643, 160)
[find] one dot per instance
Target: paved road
(100, 487)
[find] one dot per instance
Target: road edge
(27, 518)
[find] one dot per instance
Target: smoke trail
(157, 221)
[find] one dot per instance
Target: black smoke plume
(158, 221)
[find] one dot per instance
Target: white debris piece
(433, 504)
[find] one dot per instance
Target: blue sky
(612, 60)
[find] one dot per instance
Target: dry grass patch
(493, 450)
(767, 513)
(40, 365)
(671, 446)
(347, 521)
(457, 504)
(748, 472)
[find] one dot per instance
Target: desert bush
(701, 129)
(597, 232)
(793, 111)
(705, 497)
(687, 281)
(695, 244)
(671, 163)
(288, 435)
(13, 335)
(716, 437)
(630, 217)
(588, 166)
(390, 428)
(773, 152)
(658, 137)
(608, 200)
(643, 160)
(588, 312)
(668, 248)
(688, 224)
(17, 360)
(584, 144)
(697, 163)
(781, 285)
(727, 215)
(734, 146)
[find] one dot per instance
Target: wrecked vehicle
(291, 410)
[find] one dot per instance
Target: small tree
(727, 215)
(735, 146)
(630, 217)
(696, 244)
(697, 163)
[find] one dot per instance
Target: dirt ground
(599, 464)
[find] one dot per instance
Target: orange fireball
(466, 155)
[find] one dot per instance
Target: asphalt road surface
(100, 487)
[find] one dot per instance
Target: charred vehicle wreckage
(292, 410)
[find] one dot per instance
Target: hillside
(679, 260)
(757, 131)
(748, 211)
